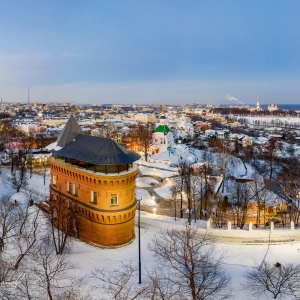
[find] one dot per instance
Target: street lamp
(181, 201)
(153, 200)
(195, 206)
(139, 226)
(175, 206)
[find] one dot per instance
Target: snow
(19, 198)
(164, 192)
(242, 248)
(238, 257)
(145, 182)
(156, 172)
(53, 146)
(146, 198)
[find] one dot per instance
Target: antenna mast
(28, 94)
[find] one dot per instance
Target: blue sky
(151, 51)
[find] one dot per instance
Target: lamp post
(175, 207)
(139, 226)
(195, 207)
(44, 172)
(12, 162)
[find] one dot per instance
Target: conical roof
(69, 133)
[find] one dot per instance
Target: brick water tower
(92, 189)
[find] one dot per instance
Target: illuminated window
(94, 197)
(75, 190)
(69, 187)
(114, 199)
(54, 179)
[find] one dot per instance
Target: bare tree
(175, 191)
(185, 172)
(7, 280)
(239, 198)
(50, 274)
(19, 233)
(27, 234)
(161, 286)
(194, 267)
(289, 183)
(8, 221)
(19, 230)
(206, 189)
(19, 172)
(269, 154)
(276, 279)
(119, 283)
(225, 156)
(142, 135)
(107, 130)
(64, 223)
(8, 132)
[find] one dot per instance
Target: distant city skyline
(135, 52)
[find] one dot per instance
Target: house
(220, 134)
(210, 133)
(92, 189)
(246, 141)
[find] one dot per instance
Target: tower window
(54, 178)
(94, 197)
(54, 213)
(113, 199)
(69, 187)
(75, 190)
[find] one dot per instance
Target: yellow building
(92, 190)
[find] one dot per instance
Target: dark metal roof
(70, 131)
(97, 150)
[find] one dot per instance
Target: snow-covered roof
(53, 146)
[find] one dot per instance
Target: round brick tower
(92, 190)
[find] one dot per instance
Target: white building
(163, 139)
(272, 107)
(210, 132)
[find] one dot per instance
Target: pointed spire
(69, 133)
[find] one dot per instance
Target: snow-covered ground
(150, 171)
(238, 256)
(145, 182)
